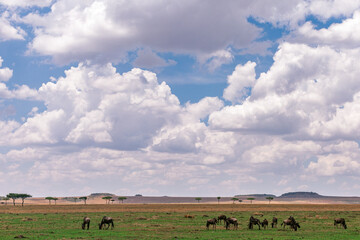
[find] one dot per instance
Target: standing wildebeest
(108, 221)
(340, 221)
(231, 220)
(291, 222)
(254, 221)
(211, 221)
(265, 223)
(274, 222)
(223, 218)
(86, 222)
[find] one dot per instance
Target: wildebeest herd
(105, 220)
(227, 221)
(294, 225)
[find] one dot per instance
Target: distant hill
(301, 195)
(101, 194)
(285, 195)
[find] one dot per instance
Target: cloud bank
(294, 126)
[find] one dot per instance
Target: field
(167, 221)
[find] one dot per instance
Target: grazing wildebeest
(274, 222)
(211, 221)
(223, 218)
(340, 221)
(291, 222)
(233, 221)
(265, 223)
(254, 221)
(86, 222)
(108, 221)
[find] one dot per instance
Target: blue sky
(179, 98)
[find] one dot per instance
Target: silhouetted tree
(218, 198)
(240, 201)
(122, 199)
(84, 199)
(49, 198)
(107, 199)
(198, 199)
(270, 199)
(13, 196)
(234, 199)
(55, 199)
(23, 196)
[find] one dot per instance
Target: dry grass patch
(177, 208)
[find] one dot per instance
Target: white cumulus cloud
(7, 30)
(240, 83)
(94, 104)
(300, 95)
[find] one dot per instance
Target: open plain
(168, 221)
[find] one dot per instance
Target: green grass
(173, 225)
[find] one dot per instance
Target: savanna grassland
(167, 221)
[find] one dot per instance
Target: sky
(179, 98)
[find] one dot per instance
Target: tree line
(107, 199)
(236, 199)
(15, 196)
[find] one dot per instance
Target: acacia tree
(55, 199)
(234, 199)
(269, 198)
(107, 199)
(84, 199)
(23, 196)
(198, 199)
(251, 199)
(49, 198)
(122, 199)
(240, 201)
(13, 196)
(218, 198)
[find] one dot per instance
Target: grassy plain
(167, 221)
